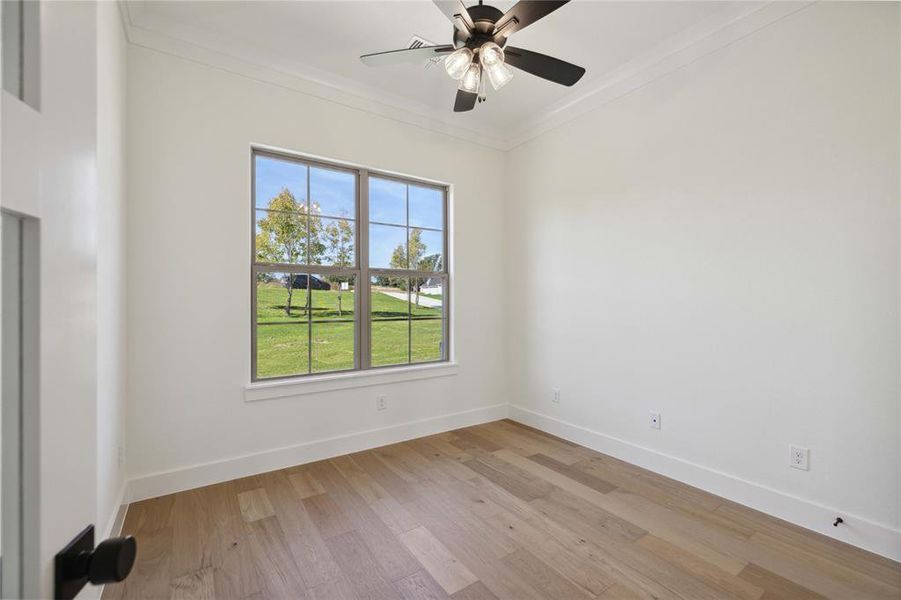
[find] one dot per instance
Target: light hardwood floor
(493, 511)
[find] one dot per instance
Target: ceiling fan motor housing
(483, 17)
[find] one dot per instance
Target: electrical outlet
(799, 458)
(655, 420)
(381, 402)
(556, 399)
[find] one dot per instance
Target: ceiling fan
(479, 49)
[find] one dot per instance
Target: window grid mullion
(365, 314)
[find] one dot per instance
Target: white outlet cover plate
(655, 420)
(799, 457)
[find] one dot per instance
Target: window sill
(270, 390)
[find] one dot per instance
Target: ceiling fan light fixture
(499, 75)
(490, 54)
(471, 79)
(458, 62)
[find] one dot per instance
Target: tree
(339, 250)
(286, 234)
(412, 259)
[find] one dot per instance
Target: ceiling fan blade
(546, 67)
(456, 11)
(405, 55)
(465, 101)
(523, 14)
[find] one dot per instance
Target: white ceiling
(322, 41)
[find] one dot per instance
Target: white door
(48, 149)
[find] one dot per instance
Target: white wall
(190, 128)
(722, 245)
(111, 83)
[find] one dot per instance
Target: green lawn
(282, 338)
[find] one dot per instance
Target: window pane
(278, 180)
(427, 298)
(390, 343)
(427, 338)
(281, 237)
(387, 201)
(387, 247)
(282, 330)
(390, 339)
(282, 350)
(332, 346)
(281, 298)
(426, 207)
(427, 326)
(332, 297)
(333, 192)
(426, 250)
(334, 242)
(389, 298)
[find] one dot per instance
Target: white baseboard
(855, 530)
(113, 529)
(168, 482)
(113, 525)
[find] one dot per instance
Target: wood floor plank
(476, 591)
(255, 505)
(391, 555)
(420, 586)
(714, 576)
(441, 564)
(510, 475)
(327, 516)
(335, 589)
(440, 444)
(641, 481)
(360, 567)
(811, 542)
(497, 511)
(194, 586)
(666, 493)
(552, 552)
(478, 441)
(539, 575)
(234, 574)
(387, 478)
(192, 535)
(279, 574)
(526, 443)
(777, 588)
(392, 513)
(302, 535)
(305, 485)
(582, 477)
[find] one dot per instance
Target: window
(349, 269)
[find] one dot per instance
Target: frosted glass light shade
(499, 75)
(457, 63)
(490, 54)
(471, 80)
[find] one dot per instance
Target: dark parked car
(300, 283)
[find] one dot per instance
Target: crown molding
(248, 61)
(726, 26)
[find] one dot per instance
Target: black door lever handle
(80, 562)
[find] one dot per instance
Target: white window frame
(359, 375)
